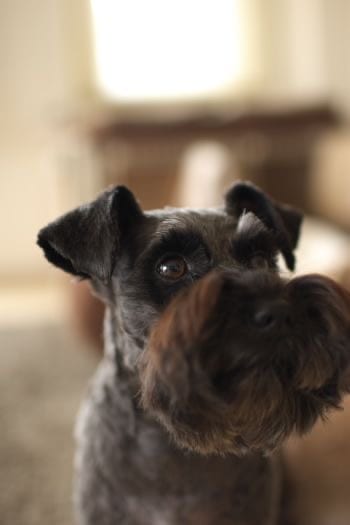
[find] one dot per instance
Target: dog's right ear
(86, 241)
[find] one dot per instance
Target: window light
(167, 49)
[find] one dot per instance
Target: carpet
(44, 373)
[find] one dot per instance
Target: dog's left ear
(284, 221)
(86, 241)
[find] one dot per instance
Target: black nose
(270, 315)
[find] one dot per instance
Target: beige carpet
(43, 376)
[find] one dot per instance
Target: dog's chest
(128, 466)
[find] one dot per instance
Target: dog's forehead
(214, 225)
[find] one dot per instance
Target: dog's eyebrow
(249, 224)
(177, 241)
(253, 236)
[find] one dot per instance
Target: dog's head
(138, 261)
(230, 357)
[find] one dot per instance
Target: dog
(212, 357)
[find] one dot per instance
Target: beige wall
(337, 24)
(305, 48)
(46, 68)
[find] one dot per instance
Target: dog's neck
(121, 348)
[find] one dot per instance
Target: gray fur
(130, 473)
(128, 469)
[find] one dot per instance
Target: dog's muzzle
(240, 360)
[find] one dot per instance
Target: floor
(44, 371)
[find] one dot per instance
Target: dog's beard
(220, 384)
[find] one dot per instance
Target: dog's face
(229, 356)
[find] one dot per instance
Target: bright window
(167, 49)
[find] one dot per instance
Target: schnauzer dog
(212, 357)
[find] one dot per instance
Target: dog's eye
(172, 268)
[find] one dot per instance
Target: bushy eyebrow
(175, 240)
(251, 237)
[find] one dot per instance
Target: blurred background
(175, 100)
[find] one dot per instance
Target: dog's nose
(270, 315)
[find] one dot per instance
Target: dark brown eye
(172, 268)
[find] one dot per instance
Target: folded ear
(87, 240)
(284, 221)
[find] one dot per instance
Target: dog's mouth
(225, 383)
(222, 330)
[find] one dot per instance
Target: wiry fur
(221, 385)
(204, 375)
